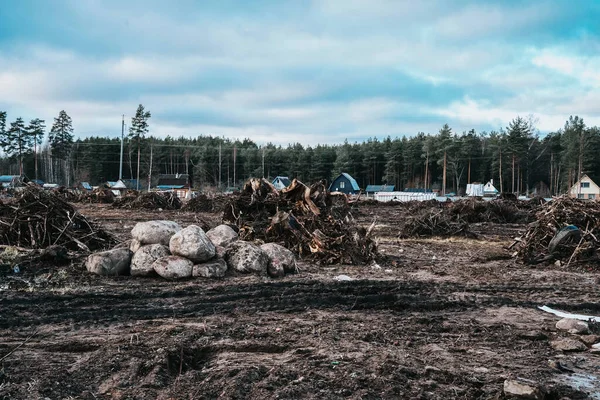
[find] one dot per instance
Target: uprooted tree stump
(36, 219)
(310, 221)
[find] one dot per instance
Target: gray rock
(134, 245)
(519, 390)
(281, 258)
(192, 243)
(141, 263)
(173, 267)
(211, 269)
(589, 339)
(220, 250)
(110, 262)
(573, 326)
(567, 344)
(222, 235)
(247, 258)
(155, 232)
(343, 278)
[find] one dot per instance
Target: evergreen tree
(36, 129)
(61, 141)
(18, 141)
(137, 132)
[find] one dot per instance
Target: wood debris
(312, 222)
(36, 219)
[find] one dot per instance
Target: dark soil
(438, 319)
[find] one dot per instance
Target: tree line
(516, 157)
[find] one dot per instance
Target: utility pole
(234, 159)
(500, 171)
(150, 171)
(263, 161)
(513, 173)
(219, 180)
(426, 170)
(122, 136)
(444, 177)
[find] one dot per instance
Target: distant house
(281, 182)
(178, 183)
(585, 188)
(474, 189)
(489, 190)
(344, 183)
(372, 189)
(131, 184)
(12, 181)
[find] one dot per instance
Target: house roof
(130, 183)
(8, 178)
(283, 179)
(352, 181)
(173, 179)
(380, 188)
(168, 187)
(572, 187)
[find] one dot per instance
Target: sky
(309, 72)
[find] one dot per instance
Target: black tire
(566, 235)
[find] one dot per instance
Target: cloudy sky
(301, 71)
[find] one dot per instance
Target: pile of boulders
(164, 248)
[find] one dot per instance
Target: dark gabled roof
(284, 180)
(353, 182)
(130, 183)
(380, 188)
(173, 180)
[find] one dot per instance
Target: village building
(178, 183)
(585, 189)
(281, 182)
(344, 183)
(372, 189)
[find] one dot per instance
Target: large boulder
(247, 258)
(141, 263)
(173, 267)
(514, 389)
(573, 326)
(212, 269)
(110, 262)
(222, 235)
(155, 232)
(134, 245)
(192, 243)
(283, 261)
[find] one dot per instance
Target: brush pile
(149, 201)
(36, 219)
(204, 203)
(310, 221)
(100, 195)
(535, 246)
(498, 211)
(434, 222)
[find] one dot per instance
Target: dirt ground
(437, 319)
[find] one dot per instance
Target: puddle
(585, 383)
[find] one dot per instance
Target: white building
(585, 188)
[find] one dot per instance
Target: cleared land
(439, 319)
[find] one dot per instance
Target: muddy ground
(438, 319)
